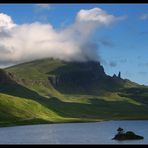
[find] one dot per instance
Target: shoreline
(69, 122)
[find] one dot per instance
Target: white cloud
(98, 16)
(6, 22)
(144, 17)
(26, 42)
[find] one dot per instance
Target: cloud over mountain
(25, 42)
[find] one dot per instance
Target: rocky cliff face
(5, 78)
(85, 72)
(66, 77)
(80, 76)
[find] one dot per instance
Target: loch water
(73, 133)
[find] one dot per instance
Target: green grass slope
(34, 99)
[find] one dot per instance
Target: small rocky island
(129, 135)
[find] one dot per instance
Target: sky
(114, 34)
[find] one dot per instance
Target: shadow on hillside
(138, 94)
(84, 83)
(18, 90)
(97, 109)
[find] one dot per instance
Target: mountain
(52, 91)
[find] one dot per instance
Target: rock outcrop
(79, 75)
(119, 75)
(5, 77)
(84, 77)
(129, 135)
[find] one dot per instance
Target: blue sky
(122, 46)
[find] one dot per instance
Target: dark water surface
(73, 133)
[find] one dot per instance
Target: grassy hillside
(34, 99)
(36, 75)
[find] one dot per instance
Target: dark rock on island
(129, 135)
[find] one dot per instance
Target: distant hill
(49, 91)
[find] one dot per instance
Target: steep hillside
(48, 91)
(66, 77)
